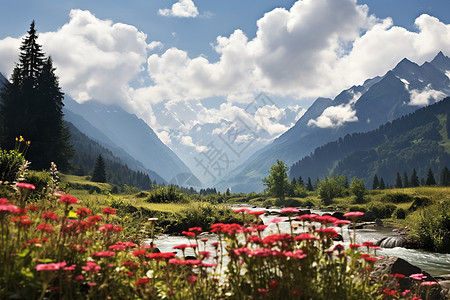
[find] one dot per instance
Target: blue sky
(190, 67)
(217, 17)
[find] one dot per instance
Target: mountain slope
(358, 109)
(87, 152)
(121, 131)
(417, 141)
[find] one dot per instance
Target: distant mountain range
(419, 141)
(379, 100)
(129, 138)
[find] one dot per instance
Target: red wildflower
(33, 207)
(260, 227)
(371, 259)
(263, 291)
(307, 217)
(297, 254)
(8, 208)
(188, 233)
(353, 215)
(49, 215)
(83, 212)
(107, 227)
(305, 237)
(399, 275)
(4, 201)
(117, 228)
(257, 213)
(161, 256)
(24, 185)
(277, 220)
(195, 229)
(389, 292)
(192, 279)
(50, 267)
(141, 281)
(94, 219)
(368, 244)
(254, 239)
(326, 219)
(139, 252)
(355, 246)
(103, 253)
(45, 227)
(289, 210)
(91, 266)
(204, 254)
(341, 222)
(273, 285)
(329, 232)
(418, 276)
(68, 199)
(242, 210)
(429, 283)
(184, 246)
(109, 211)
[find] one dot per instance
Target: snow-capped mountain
(379, 100)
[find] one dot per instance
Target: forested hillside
(86, 154)
(417, 141)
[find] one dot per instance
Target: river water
(434, 263)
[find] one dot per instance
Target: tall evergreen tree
(376, 182)
(99, 172)
(405, 180)
(309, 185)
(414, 179)
(382, 185)
(300, 181)
(32, 107)
(398, 181)
(430, 178)
(444, 178)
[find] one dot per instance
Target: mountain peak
(441, 62)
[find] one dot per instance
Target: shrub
(397, 198)
(268, 203)
(399, 213)
(10, 162)
(432, 231)
(419, 202)
(381, 210)
(167, 195)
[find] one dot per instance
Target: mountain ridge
(357, 109)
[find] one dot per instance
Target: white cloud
(94, 59)
(9, 54)
(164, 137)
(422, 98)
(187, 141)
(316, 48)
(335, 116)
(181, 9)
(155, 44)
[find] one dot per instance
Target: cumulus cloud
(424, 97)
(8, 55)
(187, 141)
(95, 59)
(335, 116)
(181, 9)
(315, 48)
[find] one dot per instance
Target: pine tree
(300, 181)
(430, 178)
(414, 179)
(382, 185)
(376, 183)
(32, 107)
(309, 185)
(405, 180)
(398, 181)
(99, 172)
(444, 178)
